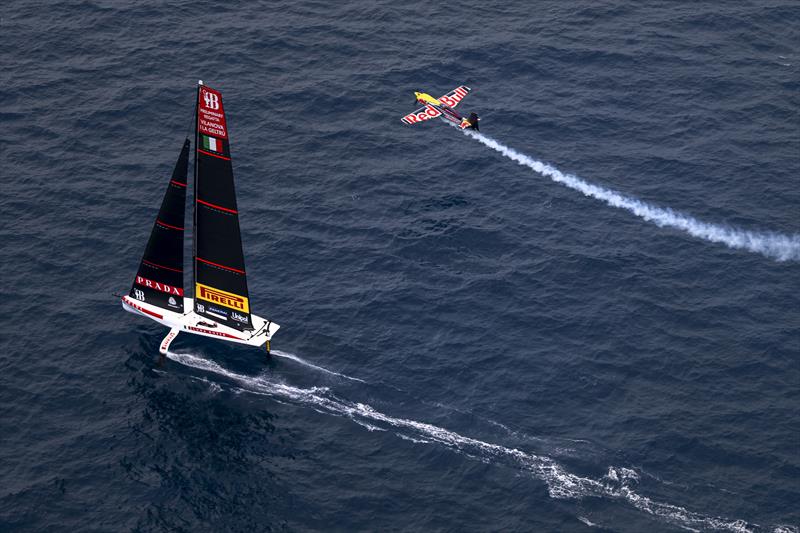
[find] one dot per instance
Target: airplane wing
(423, 113)
(454, 97)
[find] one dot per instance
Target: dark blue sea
(586, 318)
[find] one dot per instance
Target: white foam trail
(302, 361)
(412, 439)
(560, 483)
(588, 522)
(773, 245)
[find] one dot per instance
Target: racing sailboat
(221, 304)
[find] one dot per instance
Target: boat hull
(191, 322)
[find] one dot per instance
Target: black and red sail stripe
(220, 281)
(159, 280)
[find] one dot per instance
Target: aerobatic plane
(442, 107)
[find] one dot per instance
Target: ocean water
(586, 318)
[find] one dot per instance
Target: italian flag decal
(211, 144)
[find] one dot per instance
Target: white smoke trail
(773, 245)
(560, 483)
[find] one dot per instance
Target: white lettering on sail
(212, 100)
(163, 287)
(212, 128)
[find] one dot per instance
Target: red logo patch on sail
(163, 287)
(210, 114)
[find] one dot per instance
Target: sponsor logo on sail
(221, 314)
(223, 298)
(163, 287)
(211, 100)
(239, 317)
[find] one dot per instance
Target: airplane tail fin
(473, 121)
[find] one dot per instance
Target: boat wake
(772, 245)
(615, 485)
(303, 362)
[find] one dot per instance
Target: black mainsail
(159, 280)
(220, 282)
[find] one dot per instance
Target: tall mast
(194, 190)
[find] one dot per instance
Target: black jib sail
(159, 280)
(220, 288)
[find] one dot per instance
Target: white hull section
(190, 322)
